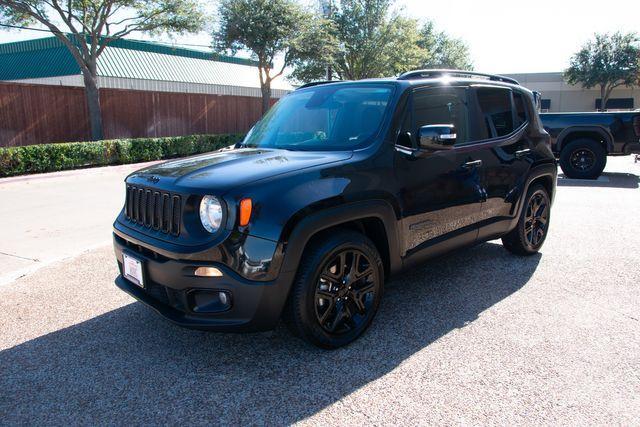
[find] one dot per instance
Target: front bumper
(168, 284)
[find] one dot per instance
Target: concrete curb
(75, 172)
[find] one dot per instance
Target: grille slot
(148, 212)
(165, 213)
(175, 220)
(139, 206)
(154, 209)
(129, 202)
(157, 210)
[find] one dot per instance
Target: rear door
(501, 120)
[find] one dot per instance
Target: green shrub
(72, 155)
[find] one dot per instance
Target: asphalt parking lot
(477, 337)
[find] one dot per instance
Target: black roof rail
(321, 82)
(426, 74)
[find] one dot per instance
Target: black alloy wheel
(345, 292)
(536, 218)
(582, 159)
(533, 224)
(337, 290)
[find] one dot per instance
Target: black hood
(225, 169)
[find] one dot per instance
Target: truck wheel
(530, 233)
(337, 290)
(583, 159)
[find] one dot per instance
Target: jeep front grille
(154, 209)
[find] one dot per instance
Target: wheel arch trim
(537, 173)
(603, 132)
(331, 217)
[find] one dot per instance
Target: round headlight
(210, 213)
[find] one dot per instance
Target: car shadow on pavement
(130, 366)
(607, 179)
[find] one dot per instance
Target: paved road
(479, 337)
(50, 217)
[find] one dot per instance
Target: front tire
(531, 231)
(583, 159)
(337, 290)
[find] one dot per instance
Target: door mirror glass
(437, 137)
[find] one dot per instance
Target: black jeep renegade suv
(338, 187)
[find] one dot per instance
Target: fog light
(206, 301)
(224, 299)
(208, 272)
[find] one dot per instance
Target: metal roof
(133, 59)
(36, 58)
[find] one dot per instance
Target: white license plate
(133, 270)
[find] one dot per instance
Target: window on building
(616, 104)
(545, 104)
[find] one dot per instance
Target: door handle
(472, 164)
(520, 154)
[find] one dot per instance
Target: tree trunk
(92, 93)
(266, 96)
(603, 98)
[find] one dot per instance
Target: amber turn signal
(245, 211)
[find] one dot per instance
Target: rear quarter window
(520, 109)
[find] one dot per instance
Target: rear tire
(531, 231)
(337, 290)
(583, 159)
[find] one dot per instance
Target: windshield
(331, 117)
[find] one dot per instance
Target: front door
(440, 192)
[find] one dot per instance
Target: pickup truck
(582, 141)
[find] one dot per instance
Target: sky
(515, 36)
(504, 36)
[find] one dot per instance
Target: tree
(607, 61)
(374, 41)
(443, 50)
(370, 41)
(86, 27)
(271, 30)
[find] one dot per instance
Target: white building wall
(568, 98)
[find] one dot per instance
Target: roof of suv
(427, 77)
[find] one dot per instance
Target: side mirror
(437, 137)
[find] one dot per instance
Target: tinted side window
(521, 112)
(495, 107)
(404, 139)
(441, 106)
